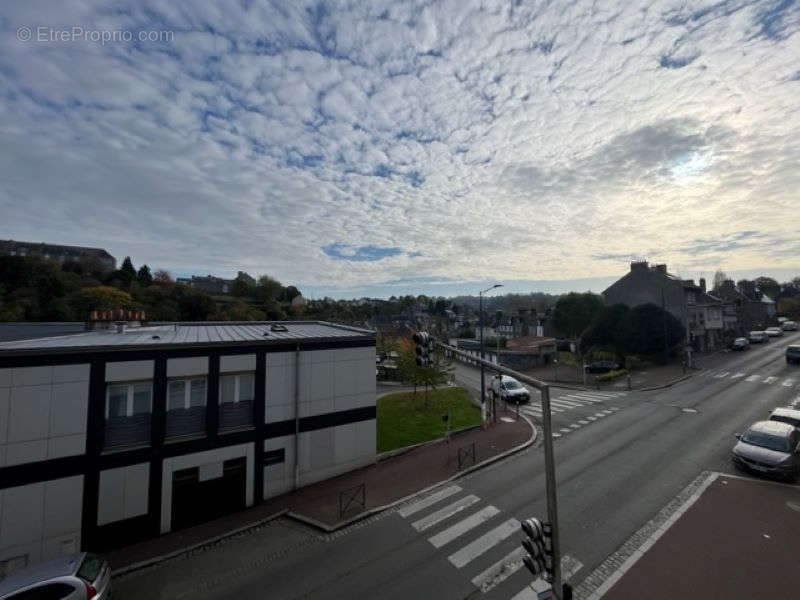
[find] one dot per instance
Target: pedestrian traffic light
(537, 558)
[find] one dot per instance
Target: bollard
(517, 410)
(629, 381)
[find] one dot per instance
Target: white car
(774, 331)
(789, 326)
(786, 415)
(509, 389)
(758, 337)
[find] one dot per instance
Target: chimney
(639, 265)
(703, 284)
(662, 268)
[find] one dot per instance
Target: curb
(318, 524)
(373, 511)
(186, 550)
(665, 385)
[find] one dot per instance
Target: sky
(389, 147)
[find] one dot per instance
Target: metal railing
(352, 496)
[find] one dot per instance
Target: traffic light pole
(552, 492)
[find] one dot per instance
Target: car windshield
(512, 385)
(765, 440)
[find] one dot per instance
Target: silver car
(770, 448)
(81, 576)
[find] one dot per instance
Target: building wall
(643, 286)
(55, 413)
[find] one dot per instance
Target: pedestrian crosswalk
(478, 540)
(570, 401)
(788, 382)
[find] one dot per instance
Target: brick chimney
(662, 268)
(639, 265)
(703, 284)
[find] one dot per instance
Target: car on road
(740, 343)
(758, 337)
(83, 576)
(770, 448)
(793, 354)
(782, 320)
(789, 325)
(786, 415)
(774, 331)
(509, 389)
(602, 366)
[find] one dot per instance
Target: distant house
(208, 284)
(702, 314)
(58, 253)
(754, 310)
(521, 353)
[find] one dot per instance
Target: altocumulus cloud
(321, 141)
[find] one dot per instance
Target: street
(615, 472)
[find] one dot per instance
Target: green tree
(574, 312)
(768, 286)
(268, 289)
(195, 306)
(241, 288)
(144, 277)
(127, 267)
(163, 278)
(719, 278)
(602, 331)
(643, 328)
(104, 297)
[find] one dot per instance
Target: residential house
(58, 253)
(754, 310)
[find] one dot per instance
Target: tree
(602, 331)
(643, 328)
(127, 267)
(768, 286)
(268, 289)
(163, 278)
(195, 306)
(144, 277)
(104, 297)
(410, 373)
(241, 288)
(574, 312)
(719, 278)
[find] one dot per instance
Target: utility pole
(666, 342)
(483, 354)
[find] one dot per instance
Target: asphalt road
(614, 473)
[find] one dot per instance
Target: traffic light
(421, 340)
(537, 557)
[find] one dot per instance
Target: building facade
(107, 437)
(58, 253)
(754, 310)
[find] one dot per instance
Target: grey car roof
(188, 334)
(773, 428)
(58, 567)
(786, 412)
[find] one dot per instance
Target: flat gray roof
(188, 334)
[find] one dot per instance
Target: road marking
(569, 566)
(429, 501)
(583, 422)
(592, 418)
(488, 540)
(737, 375)
(462, 527)
(532, 410)
(614, 408)
(565, 404)
(565, 430)
(575, 426)
(607, 412)
(589, 399)
(753, 378)
(770, 380)
(600, 415)
(445, 513)
(788, 382)
(499, 571)
(556, 435)
(722, 375)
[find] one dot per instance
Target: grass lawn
(403, 420)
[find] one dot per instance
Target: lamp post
(483, 356)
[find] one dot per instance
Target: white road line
(587, 398)
(583, 422)
(770, 380)
(788, 382)
(499, 571)
(428, 501)
(556, 435)
(462, 527)
(753, 378)
(445, 513)
(737, 375)
(488, 540)
(722, 375)
(565, 430)
(600, 415)
(532, 410)
(607, 412)
(575, 426)
(566, 405)
(592, 418)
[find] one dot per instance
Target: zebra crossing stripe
(592, 418)
(575, 426)
(753, 378)
(565, 430)
(583, 422)
(499, 571)
(722, 375)
(770, 380)
(488, 540)
(788, 382)
(600, 415)
(445, 513)
(584, 399)
(428, 501)
(737, 375)
(565, 404)
(462, 527)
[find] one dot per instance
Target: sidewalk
(657, 375)
(737, 539)
(385, 482)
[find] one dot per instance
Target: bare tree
(719, 277)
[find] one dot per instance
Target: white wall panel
(70, 373)
(70, 404)
(22, 376)
(129, 370)
(188, 366)
(68, 445)
(24, 452)
(63, 501)
(344, 443)
(29, 416)
(237, 362)
(111, 496)
(5, 377)
(5, 404)
(22, 521)
(321, 384)
(137, 484)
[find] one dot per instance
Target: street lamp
(483, 357)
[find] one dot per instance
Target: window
(236, 395)
(128, 414)
(274, 457)
(186, 407)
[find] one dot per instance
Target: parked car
(81, 576)
(786, 415)
(782, 320)
(789, 326)
(793, 354)
(509, 389)
(602, 366)
(758, 337)
(774, 331)
(740, 344)
(769, 447)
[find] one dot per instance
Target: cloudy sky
(391, 147)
